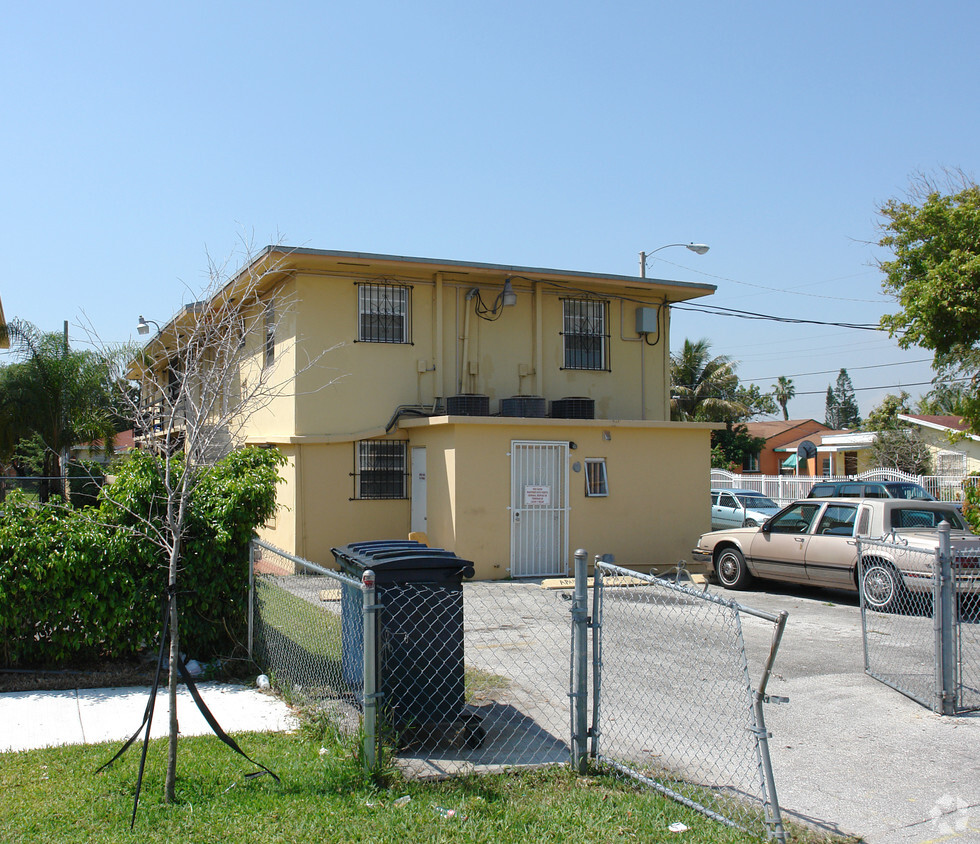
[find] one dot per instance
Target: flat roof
(513, 269)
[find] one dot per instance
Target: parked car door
(831, 553)
(778, 550)
(726, 512)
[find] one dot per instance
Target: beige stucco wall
(356, 387)
(658, 478)
(658, 475)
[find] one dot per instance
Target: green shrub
(971, 501)
(84, 482)
(81, 583)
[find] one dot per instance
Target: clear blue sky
(136, 138)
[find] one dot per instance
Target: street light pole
(696, 248)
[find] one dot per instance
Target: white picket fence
(786, 488)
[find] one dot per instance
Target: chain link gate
(920, 620)
(673, 703)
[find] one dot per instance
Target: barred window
(750, 462)
(950, 463)
(380, 469)
(585, 335)
(595, 478)
(383, 313)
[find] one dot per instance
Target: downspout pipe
(465, 362)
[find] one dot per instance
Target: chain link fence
(675, 707)
(297, 634)
(481, 676)
(920, 617)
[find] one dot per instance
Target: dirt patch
(98, 675)
(107, 674)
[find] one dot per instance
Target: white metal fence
(920, 615)
(786, 488)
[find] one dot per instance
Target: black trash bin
(420, 630)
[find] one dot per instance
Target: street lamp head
(696, 248)
(142, 327)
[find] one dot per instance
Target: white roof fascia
(937, 427)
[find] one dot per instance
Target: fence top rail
(306, 564)
(687, 590)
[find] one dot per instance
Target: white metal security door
(538, 509)
(420, 514)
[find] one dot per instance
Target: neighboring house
(513, 414)
(778, 455)
(954, 451)
(95, 451)
(844, 453)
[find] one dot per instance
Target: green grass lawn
(53, 795)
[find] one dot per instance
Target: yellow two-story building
(513, 414)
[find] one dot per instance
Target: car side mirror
(765, 526)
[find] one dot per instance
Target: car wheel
(731, 570)
(882, 586)
(750, 523)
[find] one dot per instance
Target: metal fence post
(370, 684)
(251, 597)
(580, 653)
(595, 730)
(944, 610)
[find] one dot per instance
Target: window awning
(789, 462)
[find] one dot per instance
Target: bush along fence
(79, 583)
(920, 617)
(648, 679)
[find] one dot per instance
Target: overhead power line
(717, 310)
(832, 371)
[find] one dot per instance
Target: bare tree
(901, 448)
(202, 377)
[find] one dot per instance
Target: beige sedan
(815, 542)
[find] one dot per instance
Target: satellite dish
(806, 450)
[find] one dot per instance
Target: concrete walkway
(30, 720)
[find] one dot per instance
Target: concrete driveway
(851, 755)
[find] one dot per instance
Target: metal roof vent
(468, 404)
(534, 407)
(573, 407)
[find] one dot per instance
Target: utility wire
(832, 371)
(717, 310)
(778, 289)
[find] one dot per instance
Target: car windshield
(756, 502)
(913, 492)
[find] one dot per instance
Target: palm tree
(704, 388)
(53, 395)
(783, 392)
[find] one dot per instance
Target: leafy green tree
(884, 416)
(897, 445)
(783, 392)
(55, 396)
(842, 409)
(934, 235)
(948, 396)
(707, 389)
(731, 446)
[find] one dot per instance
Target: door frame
(560, 507)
